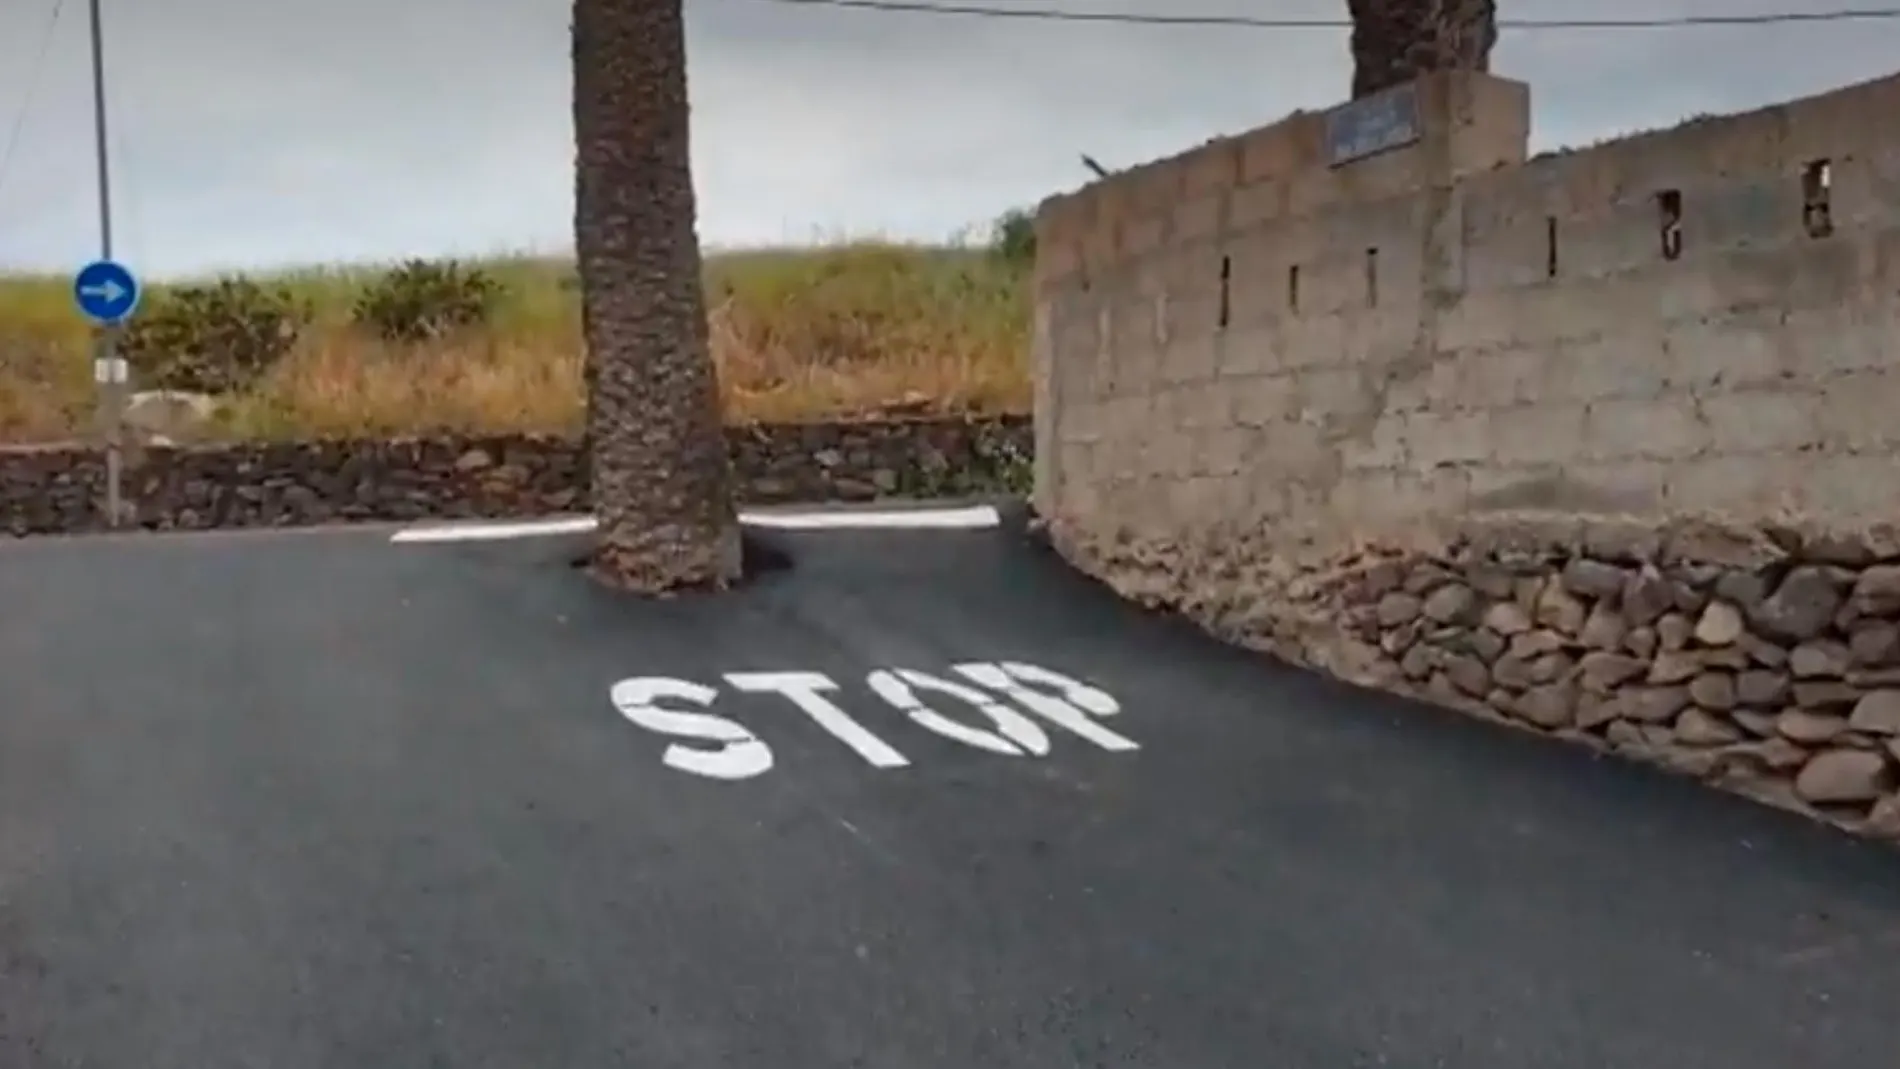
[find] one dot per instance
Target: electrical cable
(18, 126)
(1052, 14)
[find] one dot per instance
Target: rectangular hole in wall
(1226, 294)
(1372, 278)
(1669, 207)
(1550, 246)
(1293, 287)
(1817, 198)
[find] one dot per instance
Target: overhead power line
(18, 126)
(1051, 14)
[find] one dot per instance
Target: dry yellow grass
(847, 330)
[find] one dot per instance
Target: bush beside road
(850, 330)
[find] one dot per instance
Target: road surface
(322, 799)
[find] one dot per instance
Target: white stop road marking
(722, 748)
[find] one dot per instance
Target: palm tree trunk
(661, 478)
(1395, 41)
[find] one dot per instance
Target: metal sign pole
(108, 371)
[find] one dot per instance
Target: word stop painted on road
(1006, 708)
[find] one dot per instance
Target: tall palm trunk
(1395, 41)
(660, 472)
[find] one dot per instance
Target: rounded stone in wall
(1844, 776)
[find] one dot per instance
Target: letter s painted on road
(738, 753)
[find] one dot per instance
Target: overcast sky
(255, 133)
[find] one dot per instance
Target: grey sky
(251, 134)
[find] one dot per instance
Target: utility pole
(109, 371)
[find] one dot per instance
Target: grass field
(849, 330)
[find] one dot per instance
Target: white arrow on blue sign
(106, 291)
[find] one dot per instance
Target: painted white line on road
(969, 518)
(493, 532)
(975, 516)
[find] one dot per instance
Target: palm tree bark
(1396, 41)
(660, 473)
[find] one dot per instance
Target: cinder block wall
(1248, 333)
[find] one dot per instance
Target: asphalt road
(317, 800)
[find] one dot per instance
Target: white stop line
(1016, 702)
(968, 518)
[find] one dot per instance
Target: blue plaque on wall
(1375, 124)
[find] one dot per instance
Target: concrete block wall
(1247, 333)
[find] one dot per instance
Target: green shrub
(216, 338)
(425, 300)
(1015, 237)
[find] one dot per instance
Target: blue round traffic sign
(106, 291)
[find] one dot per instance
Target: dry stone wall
(60, 489)
(1778, 675)
(1358, 327)
(1761, 660)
